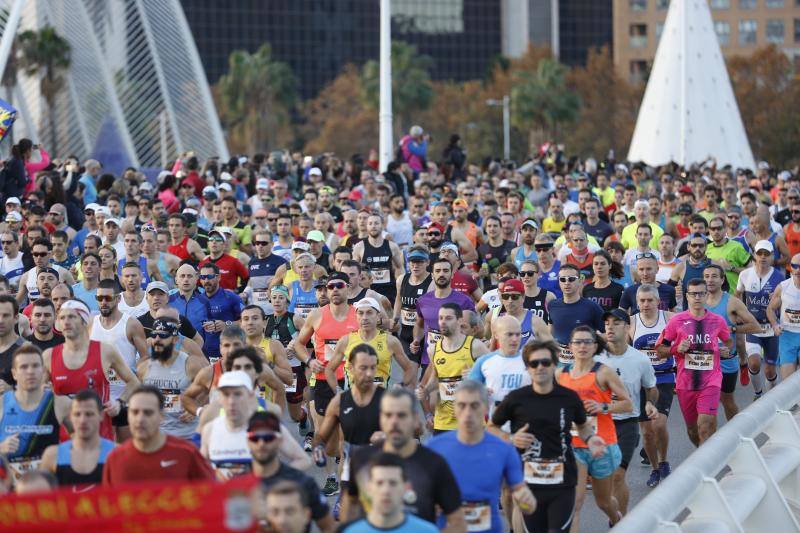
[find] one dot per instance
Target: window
(747, 32)
(747, 4)
(662, 4)
(774, 31)
(659, 31)
(723, 30)
(638, 35)
(638, 5)
(721, 4)
(638, 70)
(774, 3)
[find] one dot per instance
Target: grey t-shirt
(636, 372)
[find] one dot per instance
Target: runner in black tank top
(379, 261)
(538, 304)
(408, 312)
(280, 328)
(358, 423)
(361, 294)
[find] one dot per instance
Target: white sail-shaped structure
(135, 90)
(689, 112)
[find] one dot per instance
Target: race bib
(591, 420)
(433, 337)
(172, 401)
(20, 465)
(792, 317)
(303, 312)
(408, 317)
(544, 472)
(766, 330)
(381, 276)
(654, 357)
(699, 360)
(113, 377)
(261, 297)
(330, 344)
(478, 515)
(447, 388)
(293, 386)
(565, 357)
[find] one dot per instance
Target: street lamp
(505, 102)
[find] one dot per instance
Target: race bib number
(433, 337)
(21, 465)
(654, 357)
(293, 386)
(261, 297)
(172, 401)
(478, 515)
(544, 472)
(303, 312)
(766, 330)
(699, 360)
(381, 276)
(113, 377)
(408, 317)
(447, 388)
(330, 344)
(565, 357)
(792, 317)
(591, 420)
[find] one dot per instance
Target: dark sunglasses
(104, 298)
(697, 245)
(6, 242)
(162, 334)
(795, 266)
(535, 363)
(716, 228)
(207, 276)
(40, 254)
(434, 233)
(527, 273)
(261, 243)
(336, 285)
(271, 219)
(255, 436)
(216, 239)
(513, 297)
(542, 247)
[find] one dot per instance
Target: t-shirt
(565, 317)
(600, 231)
(411, 524)
(608, 297)
(699, 367)
(628, 237)
(480, 470)
(265, 267)
(636, 372)
(316, 501)
(428, 307)
(428, 473)
(666, 298)
(734, 253)
(548, 462)
(501, 373)
(176, 460)
(230, 270)
(44, 345)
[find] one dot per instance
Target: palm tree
(46, 54)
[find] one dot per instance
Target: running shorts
(627, 438)
(603, 466)
(555, 508)
(769, 345)
(698, 402)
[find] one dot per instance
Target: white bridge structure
(745, 478)
(135, 90)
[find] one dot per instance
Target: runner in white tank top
(135, 311)
(402, 231)
(12, 269)
(118, 338)
(227, 448)
(790, 306)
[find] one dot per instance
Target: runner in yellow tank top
(387, 347)
(451, 358)
(272, 351)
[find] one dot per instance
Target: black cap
(685, 209)
(247, 210)
(339, 276)
(619, 314)
(264, 421)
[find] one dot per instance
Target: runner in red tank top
(179, 250)
(80, 364)
(182, 246)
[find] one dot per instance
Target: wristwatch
(605, 408)
(228, 322)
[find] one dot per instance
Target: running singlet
(538, 304)
(12, 269)
(302, 302)
(450, 367)
(520, 256)
(428, 306)
(380, 342)
(227, 450)
(527, 328)
(409, 294)
(756, 293)
(172, 381)
(792, 239)
(36, 429)
(142, 266)
(68, 381)
(644, 340)
(790, 306)
(358, 423)
(66, 475)
(692, 272)
(328, 334)
(587, 388)
(699, 367)
(549, 280)
(180, 250)
(116, 337)
(379, 261)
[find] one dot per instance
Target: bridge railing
(745, 478)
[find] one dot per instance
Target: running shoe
(664, 469)
(307, 442)
(744, 375)
(645, 459)
(655, 479)
(331, 487)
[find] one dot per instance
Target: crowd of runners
(453, 346)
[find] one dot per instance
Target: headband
(79, 307)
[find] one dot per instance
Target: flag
(7, 117)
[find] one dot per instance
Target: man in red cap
(512, 297)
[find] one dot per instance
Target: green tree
(47, 55)
(412, 91)
(254, 100)
(541, 102)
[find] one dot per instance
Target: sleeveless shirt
(587, 388)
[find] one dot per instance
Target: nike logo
(347, 410)
(166, 464)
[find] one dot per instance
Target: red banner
(136, 508)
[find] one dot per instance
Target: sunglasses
(261, 243)
(255, 436)
(646, 255)
(536, 363)
(528, 273)
(336, 285)
(568, 279)
(697, 245)
(716, 228)
(513, 297)
(162, 334)
(795, 266)
(583, 341)
(216, 239)
(542, 248)
(702, 294)
(434, 233)
(104, 298)
(271, 219)
(6, 242)
(40, 254)
(207, 276)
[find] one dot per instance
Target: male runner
(512, 294)
(526, 251)
(647, 268)
(272, 351)
(43, 318)
(302, 295)
(133, 300)
(42, 251)
(409, 288)
(786, 327)
(572, 310)
(383, 257)
(691, 268)
(181, 245)
(133, 254)
(224, 308)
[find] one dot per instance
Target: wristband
(197, 413)
(605, 409)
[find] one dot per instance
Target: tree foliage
(254, 99)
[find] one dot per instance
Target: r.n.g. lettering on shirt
(699, 338)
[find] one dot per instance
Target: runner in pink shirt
(695, 338)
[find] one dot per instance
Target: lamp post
(385, 112)
(505, 102)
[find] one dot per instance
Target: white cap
(157, 285)
(104, 210)
(300, 245)
(93, 206)
(763, 165)
(226, 176)
(235, 378)
(315, 171)
(112, 221)
(225, 230)
(366, 302)
(784, 175)
(189, 211)
(145, 186)
(13, 200)
(764, 245)
(209, 189)
(15, 215)
(262, 183)
(225, 186)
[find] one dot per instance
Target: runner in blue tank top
(142, 267)
(302, 302)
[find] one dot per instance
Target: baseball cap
(157, 286)
(460, 202)
(764, 245)
(247, 210)
(449, 246)
(226, 176)
(225, 186)
(339, 276)
(103, 210)
(145, 186)
(418, 254)
(436, 226)
(315, 171)
(219, 232)
(112, 221)
(315, 235)
(686, 189)
(530, 222)
(13, 216)
(619, 314)
(209, 190)
(189, 211)
(15, 200)
(262, 183)
(91, 207)
(511, 285)
(367, 301)
(235, 378)
(300, 245)
(226, 230)
(262, 420)
(685, 209)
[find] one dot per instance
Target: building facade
(741, 26)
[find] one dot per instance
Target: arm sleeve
(448, 494)
(187, 329)
(673, 302)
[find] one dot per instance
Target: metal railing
(746, 477)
